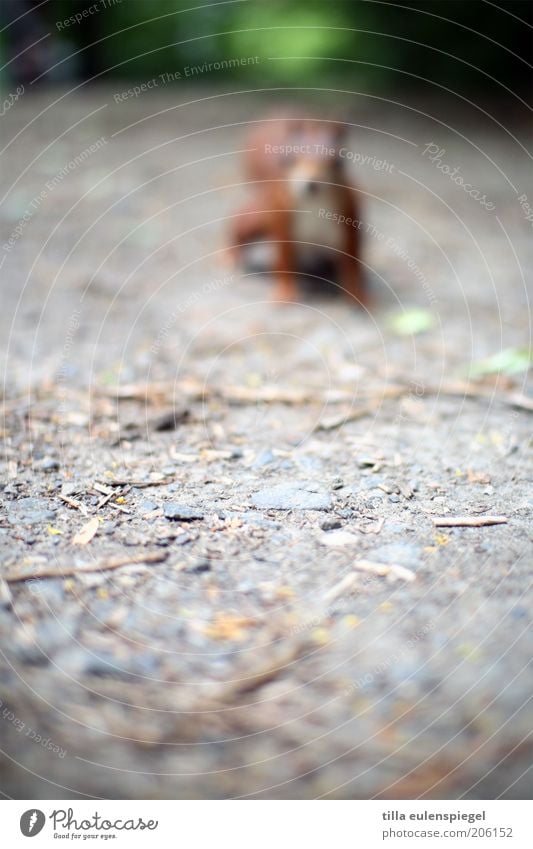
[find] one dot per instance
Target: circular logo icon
(32, 822)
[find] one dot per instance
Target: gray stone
(30, 511)
(263, 459)
(372, 482)
(71, 488)
(49, 464)
(292, 496)
(182, 539)
(372, 494)
(147, 505)
(252, 517)
(181, 512)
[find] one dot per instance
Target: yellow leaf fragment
(351, 621)
(321, 636)
(442, 539)
(231, 628)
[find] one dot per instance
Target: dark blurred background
(476, 48)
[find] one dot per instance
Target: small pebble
(198, 567)
(71, 489)
(346, 513)
(330, 524)
(366, 461)
(49, 464)
(263, 459)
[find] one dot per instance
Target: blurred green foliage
(460, 44)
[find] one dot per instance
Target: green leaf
(508, 361)
(411, 322)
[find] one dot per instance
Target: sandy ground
(284, 619)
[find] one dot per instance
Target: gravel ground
(260, 604)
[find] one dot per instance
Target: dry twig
(468, 521)
(77, 505)
(139, 484)
(391, 570)
(97, 566)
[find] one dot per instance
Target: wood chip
(87, 532)
(478, 477)
(468, 521)
(106, 491)
(97, 566)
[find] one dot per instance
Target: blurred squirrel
(304, 212)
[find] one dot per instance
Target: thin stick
(381, 569)
(473, 390)
(104, 490)
(351, 415)
(341, 587)
(73, 503)
(384, 569)
(98, 566)
(468, 521)
(194, 390)
(465, 390)
(138, 484)
(275, 394)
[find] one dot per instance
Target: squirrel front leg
(285, 261)
(351, 271)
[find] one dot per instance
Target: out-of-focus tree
(465, 45)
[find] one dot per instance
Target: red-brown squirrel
(304, 207)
